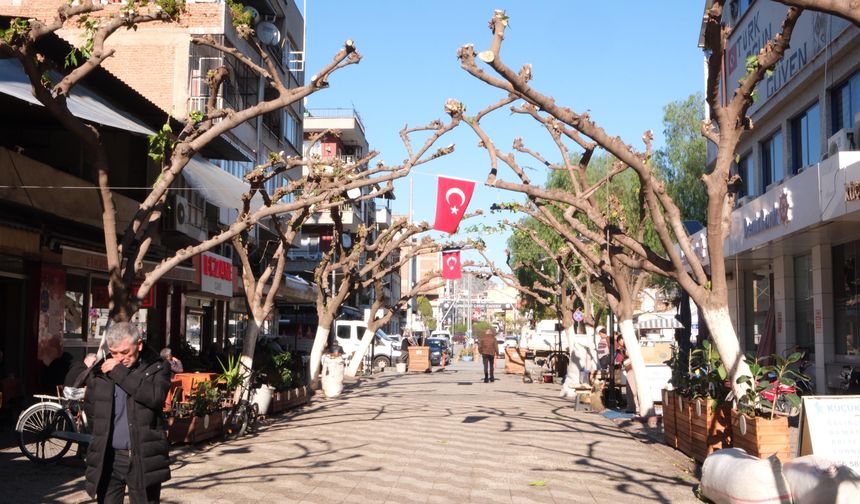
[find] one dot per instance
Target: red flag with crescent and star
(452, 198)
(451, 264)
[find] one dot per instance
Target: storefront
(793, 262)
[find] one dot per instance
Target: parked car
(500, 344)
(438, 346)
(441, 333)
(512, 341)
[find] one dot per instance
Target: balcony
(350, 216)
(383, 217)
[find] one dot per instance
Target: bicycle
(244, 415)
(47, 429)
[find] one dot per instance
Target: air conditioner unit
(842, 140)
(176, 218)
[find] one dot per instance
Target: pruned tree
(346, 260)
(126, 248)
(388, 253)
(848, 9)
(677, 258)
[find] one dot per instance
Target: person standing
(487, 347)
(126, 396)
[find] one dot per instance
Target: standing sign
(830, 428)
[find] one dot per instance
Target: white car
(441, 333)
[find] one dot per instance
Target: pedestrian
(487, 347)
(126, 396)
(175, 363)
(602, 349)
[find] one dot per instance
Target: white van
(385, 351)
(441, 333)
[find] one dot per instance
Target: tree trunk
(249, 345)
(634, 353)
(726, 340)
(320, 341)
(359, 354)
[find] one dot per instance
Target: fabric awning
(668, 322)
(219, 188)
(83, 102)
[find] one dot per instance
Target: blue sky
(620, 60)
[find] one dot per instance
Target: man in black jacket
(125, 398)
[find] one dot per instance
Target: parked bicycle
(244, 415)
(47, 429)
(850, 380)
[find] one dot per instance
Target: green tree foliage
(425, 311)
(681, 163)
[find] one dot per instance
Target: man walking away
(126, 395)
(487, 347)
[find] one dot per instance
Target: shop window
(75, 308)
(846, 294)
(805, 139)
(193, 327)
(757, 305)
(771, 160)
(845, 103)
(804, 323)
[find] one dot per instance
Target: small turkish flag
(451, 264)
(452, 198)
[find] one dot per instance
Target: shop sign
(829, 429)
(852, 191)
(764, 219)
(216, 274)
(101, 299)
(96, 261)
(52, 295)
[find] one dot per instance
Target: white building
(794, 248)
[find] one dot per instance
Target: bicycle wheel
(36, 428)
(236, 422)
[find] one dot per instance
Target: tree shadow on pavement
(26, 482)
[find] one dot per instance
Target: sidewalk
(437, 437)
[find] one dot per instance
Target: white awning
(83, 102)
(659, 323)
(219, 188)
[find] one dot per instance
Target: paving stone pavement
(416, 438)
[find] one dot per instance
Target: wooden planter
(194, 429)
(761, 436)
(710, 430)
(283, 400)
(683, 425)
(670, 435)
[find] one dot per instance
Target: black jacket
(146, 384)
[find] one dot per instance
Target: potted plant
(710, 419)
(758, 425)
(199, 419)
(465, 354)
(669, 394)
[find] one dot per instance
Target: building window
(805, 139)
(845, 102)
(771, 160)
(745, 170)
(75, 307)
(292, 130)
(846, 294)
(804, 322)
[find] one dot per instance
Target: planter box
(683, 425)
(419, 359)
(515, 360)
(670, 436)
(283, 400)
(761, 436)
(194, 429)
(710, 430)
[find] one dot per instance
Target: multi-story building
(348, 145)
(161, 62)
(793, 254)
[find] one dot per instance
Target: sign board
(578, 316)
(216, 274)
(830, 428)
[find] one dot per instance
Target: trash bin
(332, 374)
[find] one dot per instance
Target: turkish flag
(452, 198)
(451, 264)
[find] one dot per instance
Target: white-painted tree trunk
(320, 341)
(725, 338)
(634, 353)
(359, 354)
